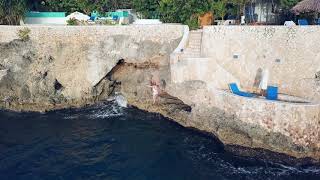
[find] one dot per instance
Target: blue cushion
(93, 18)
(235, 90)
(303, 22)
(115, 18)
(272, 93)
(318, 22)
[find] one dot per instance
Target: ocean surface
(106, 141)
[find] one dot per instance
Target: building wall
(291, 55)
(234, 54)
(46, 20)
(262, 11)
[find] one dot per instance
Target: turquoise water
(108, 142)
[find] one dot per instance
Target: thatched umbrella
(307, 6)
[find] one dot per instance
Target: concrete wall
(80, 56)
(46, 20)
(292, 57)
(204, 69)
(291, 54)
(290, 128)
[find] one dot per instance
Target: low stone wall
(69, 62)
(289, 128)
(290, 53)
(234, 54)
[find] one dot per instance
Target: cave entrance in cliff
(57, 85)
(118, 65)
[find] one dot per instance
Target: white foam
(111, 109)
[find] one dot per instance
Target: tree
(285, 6)
(183, 11)
(147, 8)
(85, 6)
(69, 6)
(242, 5)
(116, 4)
(12, 11)
(288, 4)
(220, 8)
(169, 11)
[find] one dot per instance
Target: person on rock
(155, 91)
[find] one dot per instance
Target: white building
(263, 11)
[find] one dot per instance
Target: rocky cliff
(59, 67)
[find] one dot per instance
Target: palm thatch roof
(307, 6)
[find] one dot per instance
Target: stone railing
(176, 54)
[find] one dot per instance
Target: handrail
(184, 41)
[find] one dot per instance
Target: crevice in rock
(45, 74)
(57, 85)
(107, 85)
(317, 75)
(50, 59)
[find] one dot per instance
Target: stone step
(195, 35)
(191, 54)
(195, 42)
(194, 38)
(193, 49)
(193, 46)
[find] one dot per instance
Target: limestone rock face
(68, 66)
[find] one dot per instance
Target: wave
(101, 111)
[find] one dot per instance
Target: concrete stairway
(193, 49)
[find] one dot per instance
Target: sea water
(106, 141)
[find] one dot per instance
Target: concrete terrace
(233, 54)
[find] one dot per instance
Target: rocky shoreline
(66, 72)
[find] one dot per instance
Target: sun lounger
(272, 93)
(289, 23)
(115, 18)
(303, 22)
(93, 18)
(235, 90)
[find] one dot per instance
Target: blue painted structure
(272, 93)
(235, 90)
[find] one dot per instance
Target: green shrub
(12, 11)
(23, 34)
(193, 22)
(72, 22)
(183, 11)
(109, 22)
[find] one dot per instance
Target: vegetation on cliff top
(171, 11)
(11, 11)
